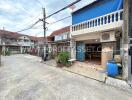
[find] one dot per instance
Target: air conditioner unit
(108, 37)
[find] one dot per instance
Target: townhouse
(61, 40)
(15, 42)
(8, 40)
(27, 42)
(96, 32)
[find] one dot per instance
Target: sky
(16, 15)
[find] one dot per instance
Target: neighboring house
(27, 42)
(61, 40)
(15, 42)
(8, 41)
(97, 32)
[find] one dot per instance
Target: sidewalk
(86, 71)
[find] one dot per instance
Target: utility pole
(44, 28)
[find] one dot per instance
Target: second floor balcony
(106, 22)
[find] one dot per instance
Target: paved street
(23, 77)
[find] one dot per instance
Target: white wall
(22, 41)
(62, 36)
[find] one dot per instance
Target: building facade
(16, 43)
(97, 31)
(27, 43)
(61, 40)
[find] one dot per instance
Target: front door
(80, 51)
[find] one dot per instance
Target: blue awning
(96, 9)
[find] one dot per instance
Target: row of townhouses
(96, 35)
(19, 43)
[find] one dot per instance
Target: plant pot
(59, 65)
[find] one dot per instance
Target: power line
(51, 15)
(30, 15)
(29, 26)
(27, 23)
(25, 10)
(64, 8)
(59, 20)
(53, 22)
(39, 3)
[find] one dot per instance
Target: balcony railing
(99, 21)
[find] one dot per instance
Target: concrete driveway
(23, 77)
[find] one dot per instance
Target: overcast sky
(16, 15)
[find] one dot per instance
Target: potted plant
(62, 59)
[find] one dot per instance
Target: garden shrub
(63, 58)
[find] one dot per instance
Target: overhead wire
(29, 26)
(39, 3)
(53, 22)
(52, 15)
(25, 10)
(28, 13)
(63, 8)
(59, 20)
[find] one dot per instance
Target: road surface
(23, 77)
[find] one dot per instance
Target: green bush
(63, 58)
